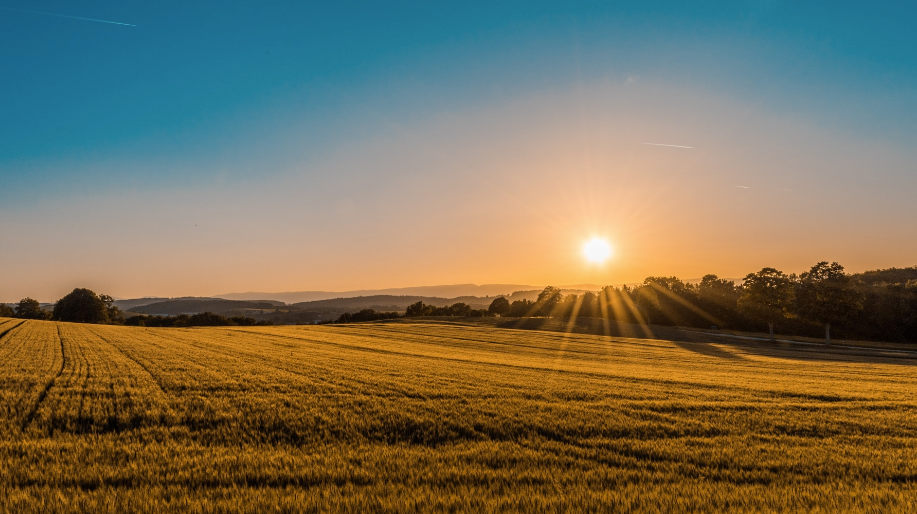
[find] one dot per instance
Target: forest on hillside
(822, 302)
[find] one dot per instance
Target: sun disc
(597, 250)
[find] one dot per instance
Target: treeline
(80, 306)
(366, 315)
(879, 305)
(85, 306)
(414, 310)
(203, 319)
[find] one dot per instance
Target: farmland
(395, 417)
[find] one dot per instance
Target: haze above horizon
(188, 149)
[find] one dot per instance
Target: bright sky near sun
(203, 148)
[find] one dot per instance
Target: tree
(767, 295)
(499, 306)
(81, 306)
(589, 306)
(6, 311)
(548, 299)
(646, 301)
(827, 295)
(459, 309)
(27, 308)
(114, 313)
(718, 296)
(718, 291)
(415, 309)
(521, 308)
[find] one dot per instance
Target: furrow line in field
(599, 347)
(615, 349)
(247, 358)
(79, 352)
(13, 353)
(156, 380)
(44, 392)
(368, 349)
(10, 329)
(596, 374)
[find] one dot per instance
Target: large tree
(82, 306)
(27, 308)
(767, 296)
(827, 295)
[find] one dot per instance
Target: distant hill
(178, 306)
(126, 305)
(444, 291)
(388, 303)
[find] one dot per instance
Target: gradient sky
(235, 146)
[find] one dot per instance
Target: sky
(207, 148)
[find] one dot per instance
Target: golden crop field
(402, 417)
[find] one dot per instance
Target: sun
(597, 250)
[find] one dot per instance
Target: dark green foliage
(415, 309)
(548, 300)
(767, 296)
(203, 319)
(499, 306)
(882, 308)
(419, 309)
(826, 294)
(84, 306)
(6, 311)
(27, 308)
(366, 315)
(522, 308)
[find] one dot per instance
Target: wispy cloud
(68, 16)
(663, 144)
(742, 187)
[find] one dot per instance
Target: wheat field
(444, 417)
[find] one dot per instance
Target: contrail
(67, 16)
(673, 146)
(743, 187)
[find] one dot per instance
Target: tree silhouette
(647, 301)
(548, 299)
(415, 309)
(827, 295)
(499, 306)
(81, 306)
(767, 296)
(27, 308)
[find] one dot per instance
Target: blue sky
(238, 94)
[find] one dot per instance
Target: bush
(366, 315)
(6, 311)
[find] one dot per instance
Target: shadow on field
(709, 350)
(694, 341)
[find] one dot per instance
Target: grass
(405, 417)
